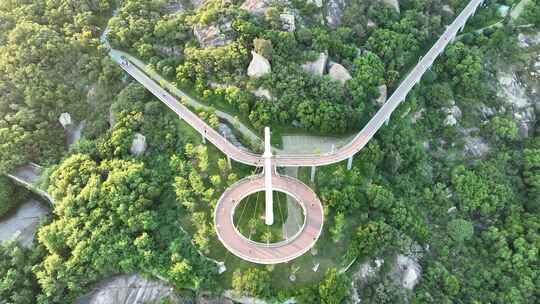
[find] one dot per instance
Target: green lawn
(249, 217)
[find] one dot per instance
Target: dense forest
(474, 219)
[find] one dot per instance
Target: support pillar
(349, 163)
(204, 139)
(333, 148)
(229, 162)
(313, 170)
(269, 207)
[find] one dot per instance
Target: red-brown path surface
(273, 253)
(287, 251)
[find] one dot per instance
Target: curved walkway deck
(272, 253)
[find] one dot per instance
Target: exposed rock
(91, 94)
(418, 115)
(22, 225)
(371, 24)
(368, 270)
(486, 112)
(174, 6)
(334, 12)
(526, 119)
(207, 298)
(521, 105)
(523, 41)
(129, 289)
(215, 85)
(170, 51)
(407, 270)
(318, 3)
(475, 147)
(258, 66)
(65, 120)
(212, 35)
(392, 3)
(451, 209)
(257, 7)
(453, 115)
(112, 116)
(339, 73)
(512, 90)
(448, 9)
(383, 94)
(318, 66)
(196, 3)
(288, 21)
(242, 299)
(263, 93)
(74, 133)
(138, 146)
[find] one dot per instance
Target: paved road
(292, 248)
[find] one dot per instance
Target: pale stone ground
(23, 224)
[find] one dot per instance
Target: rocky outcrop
(258, 66)
(129, 289)
(521, 106)
(263, 93)
(334, 12)
(318, 66)
(196, 3)
(138, 145)
(383, 94)
(212, 35)
(406, 271)
(392, 3)
(453, 114)
(256, 7)
(475, 147)
(65, 120)
(339, 73)
(22, 225)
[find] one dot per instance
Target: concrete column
(313, 170)
(333, 148)
(269, 208)
(349, 163)
(229, 162)
(203, 139)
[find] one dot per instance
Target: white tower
(269, 212)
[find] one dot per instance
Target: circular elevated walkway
(269, 253)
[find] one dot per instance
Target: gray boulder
(212, 35)
(318, 66)
(475, 147)
(256, 7)
(258, 66)
(334, 12)
(65, 120)
(263, 93)
(339, 73)
(383, 94)
(138, 145)
(407, 271)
